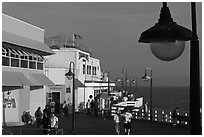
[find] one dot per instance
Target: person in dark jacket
(45, 124)
(38, 116)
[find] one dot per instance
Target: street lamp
(147, 78)
(168, 31)
(70, 75)
(125, 73)
(120, 80)
(134, 81)
(108, 82)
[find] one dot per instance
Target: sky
(112, 30)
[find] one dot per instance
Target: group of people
(92, 106)
(124, 118)
(47, 119)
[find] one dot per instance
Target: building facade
(88, 74)
(24, 84)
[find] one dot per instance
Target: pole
(85, 87)
(126, 80)
(130, 88)
(136, 86)
(151, 96)
(73, 101)
(108, 83)
(195, 116)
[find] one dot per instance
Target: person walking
(88, 106)
(38, 116)
(92, 106)
(45, 124)
(127, 123)
(96, 107)
(116, 119)
(53, 123)
(64, 107)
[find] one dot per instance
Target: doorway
(56, 99)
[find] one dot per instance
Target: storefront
(24, 84)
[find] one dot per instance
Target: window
(40, 66)
(3, 51)
(94, 70)
(68, 90)
(24, 64)
(89, 69)
(84, 68)
(32, 65)
(5, 61)
(14, 62)
(20, 58)
(40, 58)
(25, 55)
(13, 53)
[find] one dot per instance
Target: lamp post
(120, 80)
(147, 78)
(166, 31)
(125, 73)
(134, 81)
(108, 83)
(84, 85)
(70, 75)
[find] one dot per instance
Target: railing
(157, 116)
(31, 131)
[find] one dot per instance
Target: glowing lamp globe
(166, 38)
(69, 74)
(167, 51)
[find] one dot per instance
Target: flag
(77, 36)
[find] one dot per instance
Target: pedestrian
(175, 114)
(88, 106)
(127, 123)
(92, 106)
(64, 106)
(23, 117)
(29, 119)
(46, 124)
(145, 110)
(38, 116)
(116, 119)
(47, 110)
(53, 123)
(52, 107)
(96, 107)
(66, 110)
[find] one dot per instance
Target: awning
(40, 79)
(10, 78)
(103, 96)
(25, 42)
(78, 84)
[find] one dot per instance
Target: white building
(24, 84)
(88, 73)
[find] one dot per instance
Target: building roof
(26, 42)
(63, 41)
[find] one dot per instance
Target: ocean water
(166, 98)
